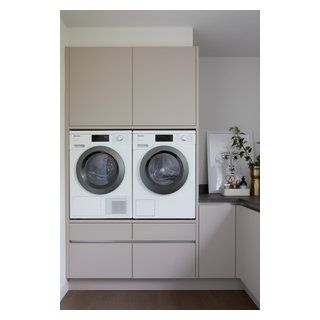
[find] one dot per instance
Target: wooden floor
(157, 300)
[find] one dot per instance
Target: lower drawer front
(100, 260)
(164, 260)
(100, 232)
(164, 231)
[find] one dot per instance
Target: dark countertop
(248, 202)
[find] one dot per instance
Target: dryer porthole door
(100, 170)
(164, 170)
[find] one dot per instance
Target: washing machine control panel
(80, 140)
(146, 139)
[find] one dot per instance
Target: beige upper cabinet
(164, 86)
(100, 86)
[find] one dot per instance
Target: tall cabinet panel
(216, 241)
(164, 86)
(248, 249)
(100, 86)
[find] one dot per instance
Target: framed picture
(224, 160)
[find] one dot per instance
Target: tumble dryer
(164, 167)
(100, 174)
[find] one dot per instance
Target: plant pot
(255, 181)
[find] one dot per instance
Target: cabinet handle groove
(133, 241)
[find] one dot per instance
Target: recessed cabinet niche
(143, 86)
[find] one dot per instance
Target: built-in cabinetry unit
(100, 250)
(138, 88)
(225, 245)
(248, 249)
(132, 250)
(229, 244)
(164, 250)
(114, 87)
(131, 88)
(217, 240)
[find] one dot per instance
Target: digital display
(164, 137)
(100, 138)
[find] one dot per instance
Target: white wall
(138, 36)
(229, 95)
(63, 280)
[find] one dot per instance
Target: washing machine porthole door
(100, 170)
(164, 170)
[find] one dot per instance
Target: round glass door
(100, 170)
(164, 170)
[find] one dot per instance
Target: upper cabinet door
(164, 86)
(100, 86)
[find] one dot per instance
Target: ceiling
(218, 33)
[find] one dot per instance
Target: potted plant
(239, 142)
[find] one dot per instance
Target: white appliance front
(100, 174)
(164, 185)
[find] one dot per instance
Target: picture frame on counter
(223, 159)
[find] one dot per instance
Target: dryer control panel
(147, 139)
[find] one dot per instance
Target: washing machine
(164, 167)
(100, 174)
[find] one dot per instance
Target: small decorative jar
(255, 180)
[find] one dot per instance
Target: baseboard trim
(64, 289)
(252, 297)
(155, 284)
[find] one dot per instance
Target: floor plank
(157, 300)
